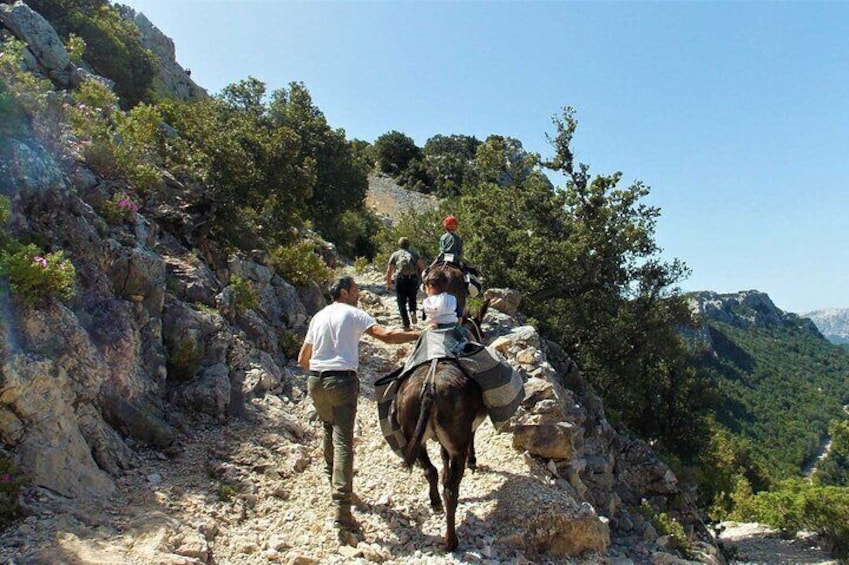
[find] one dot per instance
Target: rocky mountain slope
(745, 309)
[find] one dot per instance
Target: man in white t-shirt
(331, 355)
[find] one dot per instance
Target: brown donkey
(439, 401)
(446, 405)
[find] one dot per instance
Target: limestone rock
(30, 27)
(503, 299)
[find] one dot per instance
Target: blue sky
(736, 114)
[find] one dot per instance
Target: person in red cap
(450, 242)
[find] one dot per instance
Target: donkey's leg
(432, 477)
(471, 459)
(451, 493)
(445, 464)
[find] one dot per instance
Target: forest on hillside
(267, 171)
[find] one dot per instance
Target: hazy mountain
(833, 323)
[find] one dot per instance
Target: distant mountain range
(833, 323)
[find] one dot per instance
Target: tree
(586, 260)
(340, 181)
(394, 151)
(450, 162)
(503, 160)
(256, 186)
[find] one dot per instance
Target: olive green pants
(335, 400)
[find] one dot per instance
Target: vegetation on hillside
(781, 387)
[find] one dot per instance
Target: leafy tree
(503, 161)
(450, 162)
(586, 260)
(394, 151)
(340, 182)
(363, 154)
(256, 185)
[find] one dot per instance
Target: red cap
(449, 223)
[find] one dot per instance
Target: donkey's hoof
(451, 543)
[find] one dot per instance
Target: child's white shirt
(441, 308)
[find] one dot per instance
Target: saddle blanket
(502, 387)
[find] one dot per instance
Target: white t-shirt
(334, 333)
(441, 308)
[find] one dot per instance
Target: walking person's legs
(335, 400)
(400, 298)
(407, 288)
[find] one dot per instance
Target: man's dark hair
(404, 243)
(437, 280)
(336, 287)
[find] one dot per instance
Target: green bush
(75, 46)
(116, 144)
(360, 265)
(184, 360)
(5, 212)
(244, 293)
(299, 264)
(120, 209)
(290, 343)
(667, 526)
(36, 277)
(798, 505)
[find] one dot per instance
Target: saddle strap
(431, 376)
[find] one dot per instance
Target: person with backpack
(405, 264)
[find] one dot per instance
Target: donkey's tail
(426, 399)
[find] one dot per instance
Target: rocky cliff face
(46, 54)
(744, 309)
(172, 80)
(832, 322)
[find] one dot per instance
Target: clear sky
(736, 114)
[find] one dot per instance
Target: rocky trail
(253, 491)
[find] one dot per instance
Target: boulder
(43, 41)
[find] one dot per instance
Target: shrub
(290, 343)
(117, 144)
(798, 505)
(665, 525)
(184, 360)
(119, 209)
(36, 277)
(244, 294)
(75, 46)
(5, 212)
(27, 90)
(300, 264)
(360, 265)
